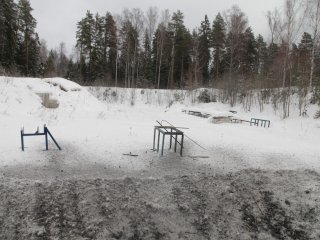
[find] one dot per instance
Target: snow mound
(65, 85)
(25, 98)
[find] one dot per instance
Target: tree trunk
(160, 62)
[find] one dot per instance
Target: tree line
(156, 49)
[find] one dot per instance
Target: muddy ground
(250, 204)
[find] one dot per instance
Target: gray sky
(57, 19)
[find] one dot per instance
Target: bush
(315, 98)
(204, 96)
(178, 96)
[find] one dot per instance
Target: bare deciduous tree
(314, 17)
(152, 16)
(273, 24)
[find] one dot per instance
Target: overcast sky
(57, 19)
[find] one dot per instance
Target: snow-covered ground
(234, 181)
(95, 132)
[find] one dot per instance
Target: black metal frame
(263, 122)
(45, 133)
(173, 132)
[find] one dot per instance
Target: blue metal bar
(46, 137)
(32, 134)
(181, 145)
(52, 138)
(22, 143)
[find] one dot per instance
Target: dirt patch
(250, 204)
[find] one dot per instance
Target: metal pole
(170, 138)
(22, 143)
(175, 143)
(46, 137)
(182, 137)
(163, 134)
(154, 137)
(158, 140)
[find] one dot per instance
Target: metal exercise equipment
(45, 133)
(173, 132)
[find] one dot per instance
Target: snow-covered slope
(19, 98)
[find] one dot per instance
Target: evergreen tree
(85, 35)
(218, 41)
(128, 37)
(147, 60)
(262, 56)
(247, 52)
(110, 46)
(161, 55)
(204, 51)
(50, 67)
(62, 61)
(8, 38)
(196, 73)
(97, 61)
(180, 58)
(304, 55)
(28, 45)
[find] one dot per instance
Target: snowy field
(93, 132)
(96, 126)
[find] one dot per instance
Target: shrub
(204, 96)
(178, 96)
(315, 98)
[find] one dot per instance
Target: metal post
(158, 140)
(22, 143)
(170, 138)
(154, 138)
(46, 137)
(182, 137)
(175, 143)
(163, 134)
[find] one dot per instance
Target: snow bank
(64, 84)
(24, 97)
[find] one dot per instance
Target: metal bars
(173, 133)
(45, 133)
(261, 122)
